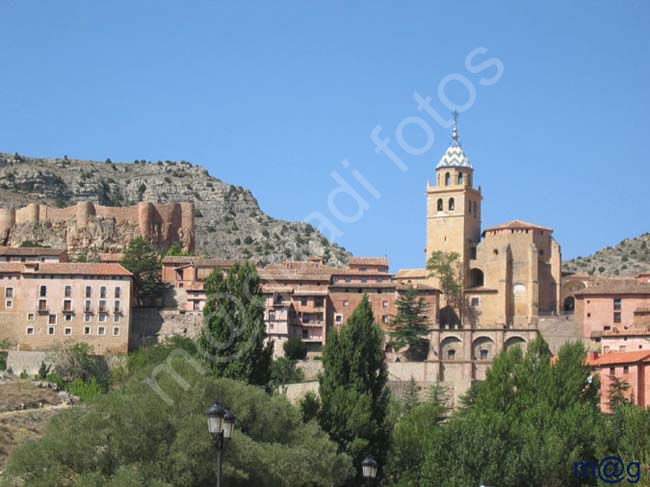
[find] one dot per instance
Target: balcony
(312, 339)
(314, 324)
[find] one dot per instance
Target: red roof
(615, 285)
(615, 358)
(110, 257)
(183, 260)
(30, 251)
(356, 261)
(517, 225)
(65, 268)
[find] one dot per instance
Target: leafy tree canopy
(525, 426)
(142, 260)
(133, 438)
(233, 335)
(176, 250)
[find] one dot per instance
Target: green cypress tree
(233, 335)
(354, 396)
(141, 259)
(411, 325)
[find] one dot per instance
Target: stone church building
(511, 275)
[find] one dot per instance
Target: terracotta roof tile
(363, 285)
(411, 274)
(383, 261)
(614, 285)
(297, 271)
(417, 286)
(355, 272)
(517, 225)
(198, 261)
(613, 358)
(110, 257)
(11, 267)
(30, 251)
(65, 268)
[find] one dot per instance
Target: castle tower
(453, 205)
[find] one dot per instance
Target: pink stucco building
(45, 305)
(615, 314)
(630, 367)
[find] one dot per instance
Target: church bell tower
(453, 205)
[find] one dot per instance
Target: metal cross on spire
(454, 134)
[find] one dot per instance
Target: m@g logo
(611, 470)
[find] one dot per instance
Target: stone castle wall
(86, 222)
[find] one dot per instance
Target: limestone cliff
(227, 219)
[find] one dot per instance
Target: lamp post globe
(228, 426)
(369, 468)
(216, 413)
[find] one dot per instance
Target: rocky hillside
(228, 219)
(628, 258)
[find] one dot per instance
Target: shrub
(284, 371)
(295, 349)
(86, 391)
(158, 444)
(309, 406)
(248, 240)
(56, 379)
(44, 371)
(77, 362)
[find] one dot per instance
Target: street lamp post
(221, 425)
(369, 469)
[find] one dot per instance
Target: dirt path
(33, 410)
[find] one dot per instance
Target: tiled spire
(454, 156)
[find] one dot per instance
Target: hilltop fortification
(87, 225)
(227, 220)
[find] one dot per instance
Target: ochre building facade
(511, 275)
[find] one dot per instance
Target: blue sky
(273, 96)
